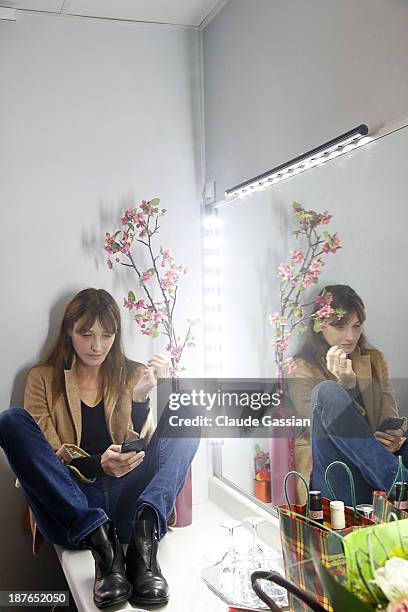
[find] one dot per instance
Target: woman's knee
(329, 392)
(12, 418)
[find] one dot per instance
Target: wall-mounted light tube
(212, 278)
(315, 157)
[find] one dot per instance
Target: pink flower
(175, 351)
(322, 300)
(316, 267)
(166, 255)
(146, 276)
(273, 317)
(325, 312)
(324, 218)
(281, 344)
(139, 219)
(128, 215)
(308, 280)
(111, 246)
(400, 605)
(285, 270)
(290, 363)
(125, 248)
(110, 264)
(140, 304)
(332, 244)
(297, 256)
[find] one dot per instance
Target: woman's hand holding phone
(390, 433)
(392, 439)
(342, 368)
(117, 464)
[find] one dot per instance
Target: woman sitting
(344, 384)
(81, 403)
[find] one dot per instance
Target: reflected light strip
(315, 157)
(212, 265)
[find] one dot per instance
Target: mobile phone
(133, 444)
(393, 423)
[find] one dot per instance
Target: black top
(95, 437)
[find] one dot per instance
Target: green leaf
(317, 326)
(150, 270)
(131, 296)
(116, 245)
(131, 226)
(116, 233)
(154, 202)
(341, 599)
(155, 333)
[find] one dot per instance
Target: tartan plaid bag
(301, 536)
(383, 507)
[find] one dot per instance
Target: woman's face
(344, 336)
(91, 346)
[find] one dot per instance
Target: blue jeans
(65, 509)
(341, 433)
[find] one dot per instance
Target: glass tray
(212, 577)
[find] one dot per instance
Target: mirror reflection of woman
(344, 384)
(86, 398)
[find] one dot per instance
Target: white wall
(284, 76)
(94, 115)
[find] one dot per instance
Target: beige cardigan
(61, 422)
(375, 387)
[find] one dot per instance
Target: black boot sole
(114, 602)
(141, 601)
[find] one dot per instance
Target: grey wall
(94, 115)
(284, 76)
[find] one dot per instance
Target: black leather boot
(111, 585)
(142, 568)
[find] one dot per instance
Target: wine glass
(228, 560)
(255, 552)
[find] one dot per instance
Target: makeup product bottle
(315, 506)
(337, 516)
(401, 495)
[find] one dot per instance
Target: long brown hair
(90, 305)
(315, 346)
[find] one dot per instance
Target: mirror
(365, 191)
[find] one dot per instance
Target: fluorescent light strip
(211, 242)
(312, 158)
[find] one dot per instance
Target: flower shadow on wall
(154, 301)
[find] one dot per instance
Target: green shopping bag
(382, 506)
(301, 538)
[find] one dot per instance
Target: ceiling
(180, 12)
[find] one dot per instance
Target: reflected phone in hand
(393, 423)
(133, 444)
